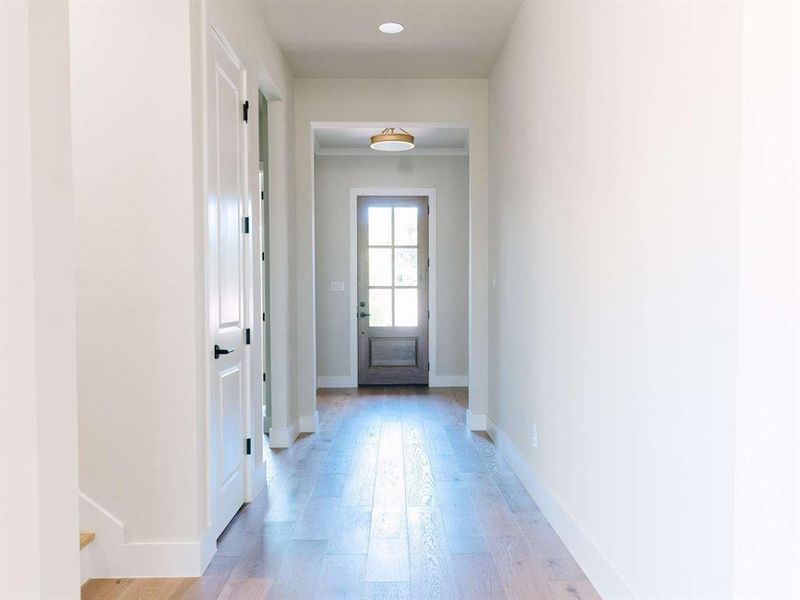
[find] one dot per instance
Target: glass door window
(393, 266)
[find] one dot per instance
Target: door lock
(362, 314)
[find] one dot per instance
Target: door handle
(362, 314)
(219, 351)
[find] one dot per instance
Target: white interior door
(226, 260)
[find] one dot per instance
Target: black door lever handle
(219, 351)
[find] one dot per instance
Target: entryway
(388, 309)
(393, 313)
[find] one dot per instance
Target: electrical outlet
(535, 436)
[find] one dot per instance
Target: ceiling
(340, 38)
(355, 141)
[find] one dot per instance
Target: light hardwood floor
(391, 499)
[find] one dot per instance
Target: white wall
(397, 102)
(334, 176)
(767, 476)
(38, 406)
(138, 385)
(629, 214)
(138, 107)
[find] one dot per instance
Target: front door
(226, 281)
(392, 290)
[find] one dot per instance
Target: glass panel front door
(392, 290)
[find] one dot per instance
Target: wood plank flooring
(391, 500)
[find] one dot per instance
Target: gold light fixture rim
(390, 134)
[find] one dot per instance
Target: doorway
(393, 313)
(263, 182)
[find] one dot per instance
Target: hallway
(393, 499)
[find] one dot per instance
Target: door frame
(430, 193)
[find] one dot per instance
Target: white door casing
(352, 379)
(228, 389)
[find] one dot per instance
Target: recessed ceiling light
(391, 27)
(389, 140)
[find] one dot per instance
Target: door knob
(219, 351)
(362, 314)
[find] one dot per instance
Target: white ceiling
(340, 38)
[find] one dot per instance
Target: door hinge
(429, 209)
(263, 376)
(247, 336)
(429, 263)
(262, 194)
(263, 256)
(247, 224)
(245, 110)
(429, 313)
(248, 446)
(264, 317)
(429, 366)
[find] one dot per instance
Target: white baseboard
(491, 429)
(309, 423)
(448, 381)
(345, 381)
(476, 422)
(336, 381)
(283, 438)
(111, 556)
(605, 578)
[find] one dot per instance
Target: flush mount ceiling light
(391, 27)
(389, 140)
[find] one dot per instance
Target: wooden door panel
(392, 290)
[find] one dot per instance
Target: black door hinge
(262, 194)
(248, 446)
(264, 376)
(264, 317)
(429, 208)
(247, 224)
(245, 110)
(263, 256)
(429, 262)
(429, 313)
(429, 366)
(247, 336)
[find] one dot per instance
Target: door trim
(430, 193)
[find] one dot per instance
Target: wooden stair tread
(86, 538)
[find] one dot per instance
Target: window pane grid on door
(393, 266)
(380, 267)
(405, 267)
